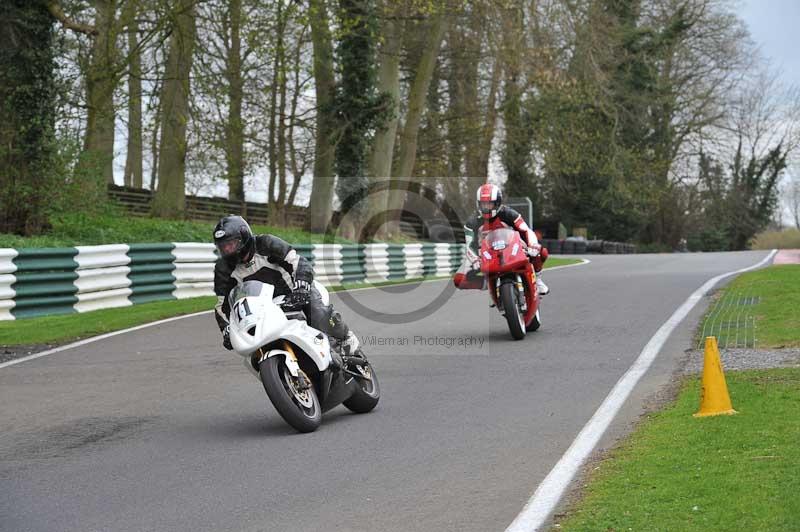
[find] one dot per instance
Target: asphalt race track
(162, 430)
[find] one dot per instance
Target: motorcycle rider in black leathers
(269, 259)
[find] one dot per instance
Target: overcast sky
(775, 27)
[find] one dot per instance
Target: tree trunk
(27, 115)
(156, 95)
(478, 152)
(380, 162)
(416, 105)
(133, 160)
(101, 80)
(234, 131)
(170, 200)
(297, 169)
(277, 66)
(320, 205)
(282, 82)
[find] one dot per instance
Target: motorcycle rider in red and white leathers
(492, 214)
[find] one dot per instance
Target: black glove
(226, 338)
(301, 285)
(299, 297)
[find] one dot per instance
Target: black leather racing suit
(275, 262)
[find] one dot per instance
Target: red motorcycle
(511, 280)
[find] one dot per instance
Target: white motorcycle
(293, 360)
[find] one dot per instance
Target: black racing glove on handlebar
(299, 297)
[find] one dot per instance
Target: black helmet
(233, 238)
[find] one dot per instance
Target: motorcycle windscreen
(498, 237)
(250, 289)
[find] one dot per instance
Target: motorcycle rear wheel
(368, 393)
(299, 408)
(514, 317)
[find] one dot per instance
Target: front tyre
(368, 393)
(299, 408)
(515, 319)
(535, 323)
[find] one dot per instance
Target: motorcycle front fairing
(502, 250)
(256, 321)
(503, 255)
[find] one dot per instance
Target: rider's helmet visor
(229, 247)
(487, 206)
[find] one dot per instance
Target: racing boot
(346, 351)
(543, 288)
(353, 356)
(336, 353)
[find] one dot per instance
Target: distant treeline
(648, 121)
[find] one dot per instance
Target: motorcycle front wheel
(299, 408)
(514, 317)
(535, 323)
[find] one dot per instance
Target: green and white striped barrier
(38, 282)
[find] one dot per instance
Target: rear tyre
(508, 298)
(368, 393)
(299, 408)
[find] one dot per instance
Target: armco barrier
(45, 282)
(103, 279)
(37, 282)
(7, 280)
(151, 272)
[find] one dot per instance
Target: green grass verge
(776, 316)
(677, 472)
(553, 262)
(61, 329)
(83, 230)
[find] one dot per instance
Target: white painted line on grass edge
(175, 318)
(581, 263)
(549, 492)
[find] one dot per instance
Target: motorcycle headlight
(498, 245)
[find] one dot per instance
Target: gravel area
(739, 359)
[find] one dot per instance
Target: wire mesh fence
(732, 321)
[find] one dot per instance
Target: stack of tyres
(555, 247)
(580, 247)
(594, 246)
(568, 247)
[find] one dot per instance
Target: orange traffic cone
(714, 400)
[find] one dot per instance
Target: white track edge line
(582, 262)
(550, 490)
(175, 318)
